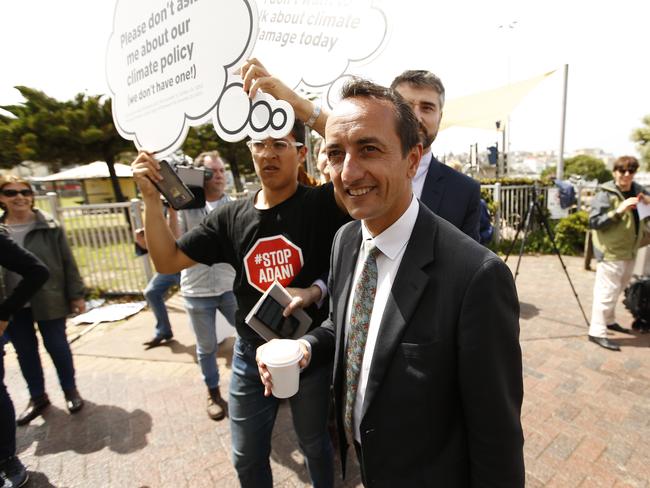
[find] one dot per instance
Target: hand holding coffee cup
(279, 362)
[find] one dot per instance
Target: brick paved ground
(586, 411)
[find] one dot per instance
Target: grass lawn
(102, 244)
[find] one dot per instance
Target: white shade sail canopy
(482, 110)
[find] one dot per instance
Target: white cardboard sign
(311, 44)
(170, 65)
(553, 204)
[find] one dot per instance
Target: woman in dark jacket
(33, 275)
(62, 293)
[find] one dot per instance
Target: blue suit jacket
(453, 196)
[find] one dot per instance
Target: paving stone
(586, 411)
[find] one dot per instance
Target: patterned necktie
(362, 302)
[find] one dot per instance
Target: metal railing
(101, 239)
(511, 203)
(101, 236)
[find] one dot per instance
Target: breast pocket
(420, 359)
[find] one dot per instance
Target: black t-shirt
(290, 242)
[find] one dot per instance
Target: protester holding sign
(448, 193)
(284, 232)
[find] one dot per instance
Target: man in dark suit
(423, 320)
(450, 194)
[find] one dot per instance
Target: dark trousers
(7, 413)
(22, 334)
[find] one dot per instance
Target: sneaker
(13, 473)
(217, 406)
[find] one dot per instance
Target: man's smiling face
(369, 172)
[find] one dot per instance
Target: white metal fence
(101, 238)
(512, 202)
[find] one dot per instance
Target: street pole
(501, 127)
(560, 159)
(504, 151)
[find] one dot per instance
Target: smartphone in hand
(172, 188)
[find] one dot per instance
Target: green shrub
(508, 181)
(570, 233)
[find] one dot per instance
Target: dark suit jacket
(442, 405)
(453, 196)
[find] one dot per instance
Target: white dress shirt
(421, 174)
(392, 243)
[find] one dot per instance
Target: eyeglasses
(278, 146)
(629, 171)
(13, 193)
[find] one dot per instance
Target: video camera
(182, 183)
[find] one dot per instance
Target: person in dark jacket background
(486, 229)
(62, 294)
(34, 274)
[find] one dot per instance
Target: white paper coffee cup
(281, 358)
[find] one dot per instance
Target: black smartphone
(270, 314)
(177, 194)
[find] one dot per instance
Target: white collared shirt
(421, 174)
(392, 244)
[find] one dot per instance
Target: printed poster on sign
(320, 41)
(170, 65)
(270, 259)
(553, 205)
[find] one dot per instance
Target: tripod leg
(521, 225)
(547, 228)
(529, 215)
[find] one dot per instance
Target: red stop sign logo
(270, 259)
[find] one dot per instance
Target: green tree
(55, 132)
(204, 138)
(589, 167)
(642, 137)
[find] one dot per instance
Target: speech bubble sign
(319, 40)
(262, 117)
(169, 65)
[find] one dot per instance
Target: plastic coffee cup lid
(281, 352)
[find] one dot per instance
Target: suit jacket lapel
(349, 252)
(407, 289)
(433, 189)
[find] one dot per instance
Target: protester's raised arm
(256, 77)
(172, 223)
(161, 243)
